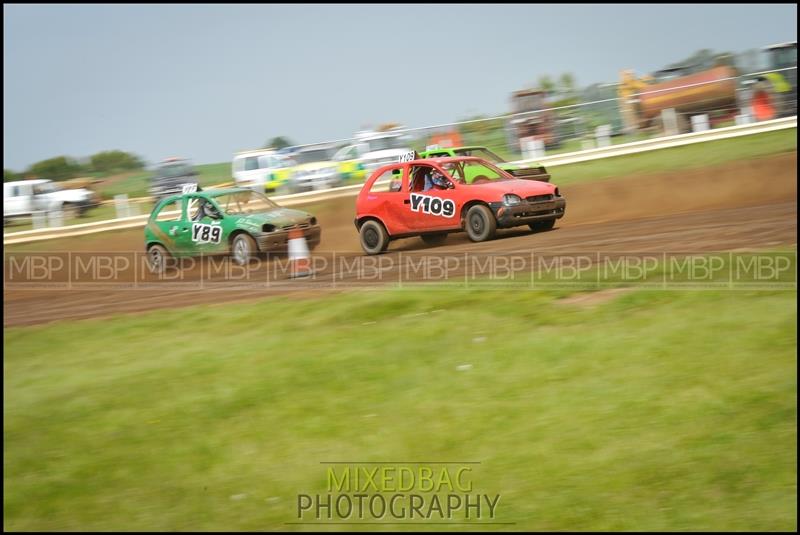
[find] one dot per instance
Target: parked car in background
(531, 171)
(370, 151)
(315, 168)
(262, 170)
(170, 177)
(24, 197)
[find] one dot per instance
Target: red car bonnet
(523, 188)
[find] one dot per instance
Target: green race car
(532, 172)
(236, 221)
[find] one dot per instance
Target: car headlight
(509, 199)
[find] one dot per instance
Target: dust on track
(746, 205)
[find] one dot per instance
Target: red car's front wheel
(480, 223)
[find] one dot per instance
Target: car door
(14, 202)
(206, 234)
(386, 200)
(169, 226)
(432, 209)
(251, 174)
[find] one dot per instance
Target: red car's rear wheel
(374, 238)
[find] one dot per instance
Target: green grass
(677, 158)
(137, 184)
(100, 213)
(655, 411)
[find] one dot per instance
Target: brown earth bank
(745, 205)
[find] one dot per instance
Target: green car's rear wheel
(157, 256)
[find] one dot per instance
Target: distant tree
(546, 84)
(482, 126)
(700, 59)
(112, 161)
(10, 176)
(58, 168)
(279, 142)
(566, 83)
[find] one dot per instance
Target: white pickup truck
(24, 197)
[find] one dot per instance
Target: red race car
(431, 198)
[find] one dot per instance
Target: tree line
(64, 167)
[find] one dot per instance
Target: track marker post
(299, 256)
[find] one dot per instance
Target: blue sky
(204, 81)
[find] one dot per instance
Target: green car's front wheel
(243, 248)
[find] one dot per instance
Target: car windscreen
(244, 202)
(386, 143)
(475, 172)
(45, 187)
(174, 170)
(486, 154)
(311, 156)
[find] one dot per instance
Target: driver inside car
(205, 209)
(435, 179)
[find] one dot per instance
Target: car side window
(193, 205)
(251, 163)
(170, 211)
(390, 181)
(418, 176)
(265, 162)
(438, 155)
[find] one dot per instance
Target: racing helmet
(438, 179)
(209, 210)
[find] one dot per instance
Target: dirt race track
(747, 205)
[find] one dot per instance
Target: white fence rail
(348, 191)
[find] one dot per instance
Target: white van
(24, 197)
(264, 170)
(374, 149)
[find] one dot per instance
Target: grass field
(676, 158)
(137, 184)
(669, 410)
